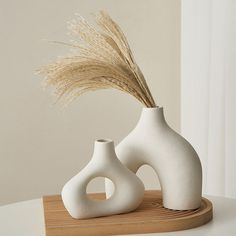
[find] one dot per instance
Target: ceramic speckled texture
(172, 157)
(129, 189)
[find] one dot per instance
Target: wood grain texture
(150, 217)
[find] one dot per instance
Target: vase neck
(104, 148)
(152, 118)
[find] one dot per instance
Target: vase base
(149, 217)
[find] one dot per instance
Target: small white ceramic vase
(128, 193)
(174, 160)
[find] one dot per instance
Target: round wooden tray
(150, 217)
(165, 220)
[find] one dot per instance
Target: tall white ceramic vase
(128, 193)
(174, 160)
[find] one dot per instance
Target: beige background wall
(42, 146)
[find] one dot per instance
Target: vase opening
(152, 108)
(96, 185)
(104, 140)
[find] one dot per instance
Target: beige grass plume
(102, 60)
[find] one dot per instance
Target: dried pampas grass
(101, 60)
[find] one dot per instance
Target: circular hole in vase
(97, 185)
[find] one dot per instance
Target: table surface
(27, 219)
